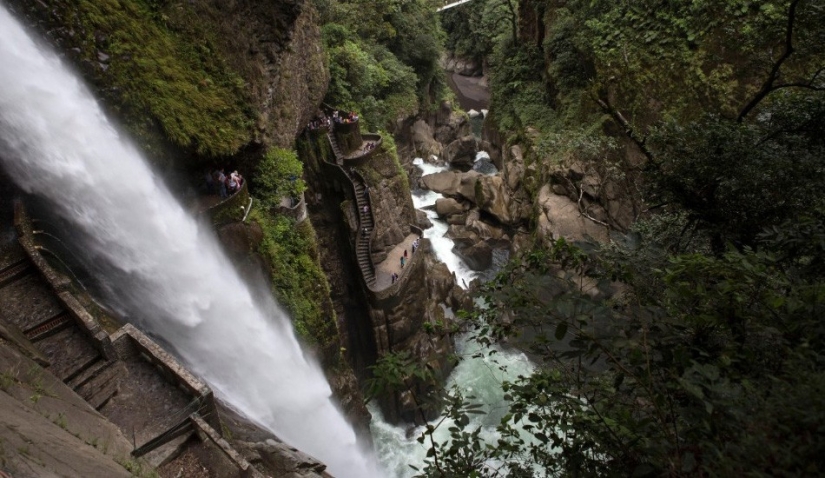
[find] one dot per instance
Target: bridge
(451, 5)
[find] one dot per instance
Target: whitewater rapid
(480, 372)
(157, 266)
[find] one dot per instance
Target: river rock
(449, 206)
(492, 197)
(484, 230)
(452, 183)
(451, 126)
(461, 153)
(514, 169)
(478, 257)
(421, 219)
(282, 459)
(423, 142)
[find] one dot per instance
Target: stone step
(91, 370)
(104, 385)
(14, 271)
(49, 327)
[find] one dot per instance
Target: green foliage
(519, 94)
(278, 175)
(383, 56)
(298, 281)
(701, 365)
(734, 179)
(169, 74)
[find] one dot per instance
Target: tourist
(209, 178)
(366, 209)
(233, 184)
(403, 260)
(220, 178)
(366, 192)
(405, 253)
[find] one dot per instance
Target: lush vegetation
(383, 56)
(298, 281)
(278, 175)
(164, 71)
(692, 345)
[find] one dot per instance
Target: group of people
(320, 121)
(344, 118)
(404, 256)
(217, 182)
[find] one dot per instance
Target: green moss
(298, 281)
(166, 74)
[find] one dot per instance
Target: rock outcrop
(461, 153)
(489, 194)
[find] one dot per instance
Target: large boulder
(421, 219)
(451, 127)
(461, 153)
(492, 196)
(423, 142)
(560, 218)
(485, 231)
(478, 257)
(449, 206)
(282, 459)
(452, 183)
(514, 169)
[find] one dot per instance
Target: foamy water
(156, 265)
(479, 374)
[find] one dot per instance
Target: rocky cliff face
(277, 48)
(210, 79)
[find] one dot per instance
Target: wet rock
(239, 239)
(461, 153)
(457, 219)
(282, 459)
(421, 219)
(452, 183)
(478, 257)
(449, 206)
(450, 127)
(423, 142)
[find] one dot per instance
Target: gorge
(618, 263)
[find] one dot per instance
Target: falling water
(157, 265)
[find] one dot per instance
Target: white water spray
(159, 267)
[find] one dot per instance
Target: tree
(713, 369)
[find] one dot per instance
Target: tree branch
(628, 128)
(768, 86)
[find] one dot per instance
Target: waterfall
(154, 262)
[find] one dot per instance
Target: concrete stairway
(339, 156)
(365, 219)
(29, 303)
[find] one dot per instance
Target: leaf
(561, 330)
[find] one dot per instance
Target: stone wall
(128, 343)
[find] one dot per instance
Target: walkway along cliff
(145, 410)
(361, 206)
